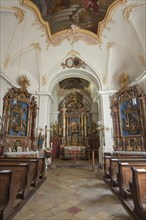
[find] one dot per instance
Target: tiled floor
(73, 191)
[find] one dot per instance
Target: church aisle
(73, 191)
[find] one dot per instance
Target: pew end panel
(138, 191)
(8, 192)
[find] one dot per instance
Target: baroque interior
(81, 75)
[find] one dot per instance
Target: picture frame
(18, 121)
(130, 118)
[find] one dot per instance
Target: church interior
(73, 109)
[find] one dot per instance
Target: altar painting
(131, 124)
(18, 119)
(74, 124)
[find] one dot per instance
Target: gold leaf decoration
(23, 81)
(123, 80)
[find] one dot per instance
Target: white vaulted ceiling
(27, 47)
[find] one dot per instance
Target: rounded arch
(84, 74)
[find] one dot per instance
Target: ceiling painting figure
(61, 14)
(74, 83)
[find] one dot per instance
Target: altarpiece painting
(19, 115)
(129, 119)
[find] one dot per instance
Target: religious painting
(18, 118)
(74, 124)
(130, 112)
(61, 14)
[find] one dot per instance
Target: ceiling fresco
(74, 83)
(61, 14)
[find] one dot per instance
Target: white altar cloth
(74, 151)
(24, 154)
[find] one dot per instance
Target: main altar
(72, 128)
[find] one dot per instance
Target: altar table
(74, 152)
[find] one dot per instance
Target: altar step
(73, 163)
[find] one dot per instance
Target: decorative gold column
(82, 126)
(64, 123)
(143, 101)
(67, 126)
(85, 125)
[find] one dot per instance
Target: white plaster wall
(105, 119)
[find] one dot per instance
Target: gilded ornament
(44, 79)
(23, 81)
(73, 53)
(7, 61)
(19, 13)
(75, 62)
(128, 11)
(110, 45)
(36, 46)
(141, 58)
(123, 80)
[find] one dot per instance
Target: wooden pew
(138, 191)
(38, 165)
(8, 192)
(33, 167)
(106, 166)
(108, 157)
(22, 182)
(42, 167)
(113, 170)
(23, 177)
(124, 176)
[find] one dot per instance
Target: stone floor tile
(73, 191)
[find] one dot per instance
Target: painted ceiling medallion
(73, 62)
(61, 14)
(60, 17)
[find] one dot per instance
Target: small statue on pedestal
(41, 138)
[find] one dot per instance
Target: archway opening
(74, 120)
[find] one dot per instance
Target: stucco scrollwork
(19, 13)
(36, 46)
(128, 11)
(73, 35)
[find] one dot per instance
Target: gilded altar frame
(19, 115)
(129, 119)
